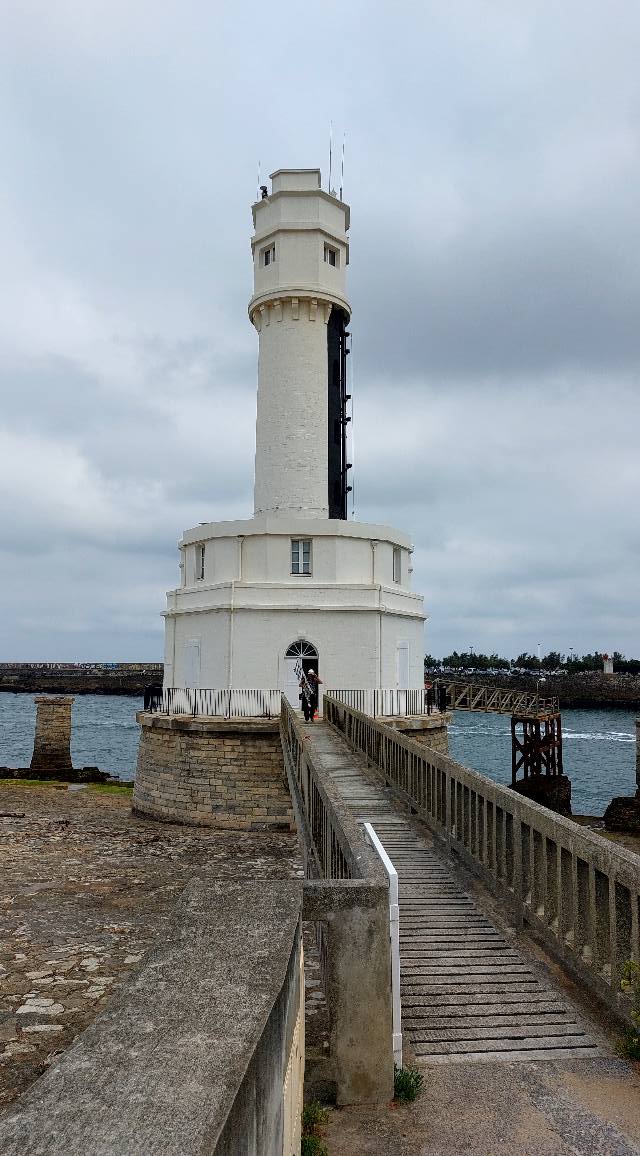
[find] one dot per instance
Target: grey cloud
(492, 167)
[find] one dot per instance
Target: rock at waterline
(623, 814)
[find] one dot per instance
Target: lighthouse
(299, 584)
(300, 310)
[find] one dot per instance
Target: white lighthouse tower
(298, 581)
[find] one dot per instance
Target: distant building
(607, 664)
(298, 583)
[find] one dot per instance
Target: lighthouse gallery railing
(229, 703)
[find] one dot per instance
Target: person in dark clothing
(314, 683)
(428, 688)
(442, 697)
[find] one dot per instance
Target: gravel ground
(570, 1108)
(85, 888)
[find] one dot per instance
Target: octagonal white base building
(245, 622)
(298, 584)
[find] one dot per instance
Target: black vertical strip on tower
(337, 406)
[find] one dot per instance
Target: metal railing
(230, 703)
(497, 700)
(579, 892)
(394, 937)
(383, 702)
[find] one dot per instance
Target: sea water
(598, 745)
(598, 750)
(104, 732)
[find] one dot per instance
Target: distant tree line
(469, 660)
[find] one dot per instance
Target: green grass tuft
(110, 788)
(407, 1084)
(629, 1045)
(313, 1116)
(63, 784)
(313, 1146)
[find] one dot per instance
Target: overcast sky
(493, 169)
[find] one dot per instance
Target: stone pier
(52, 742)
(638, 757)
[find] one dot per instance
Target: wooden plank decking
(468, 993)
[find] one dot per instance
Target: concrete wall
(291, 431)
(79, 678)
(202, 1051)
(342, 554)
(249, 608)
(212, 773)
(348, 896)
(638, 755)
(356, 649)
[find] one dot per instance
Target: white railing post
(394, 932)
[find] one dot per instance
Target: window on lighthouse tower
(300, 555)
(331, 255)
(397, 564)
(200, 553)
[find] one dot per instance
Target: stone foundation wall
(432, 730)
(79, 678)
(212, 773)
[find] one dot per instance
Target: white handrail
(394, 931)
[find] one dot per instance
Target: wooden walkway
(467, 992)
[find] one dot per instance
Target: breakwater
(79, 678)
(585, 691)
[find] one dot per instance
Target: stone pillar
(52, 743)
(357, 976)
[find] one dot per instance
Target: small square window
(331, 256)
(269, 255)
(397, 564)
(300, 555)
(200, 546)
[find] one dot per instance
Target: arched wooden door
(300, 656)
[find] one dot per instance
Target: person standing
(314, 683)
(306, 698)
(428, 687)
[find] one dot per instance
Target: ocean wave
(600, 736)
